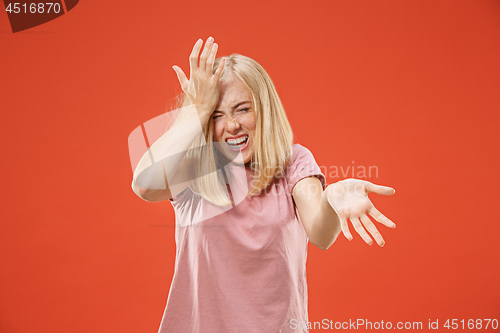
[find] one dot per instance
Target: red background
(411, 87)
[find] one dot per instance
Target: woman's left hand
(349, 199)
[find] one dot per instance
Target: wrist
(327, 198)
(203, 113)
(204, 110)
(325, 203)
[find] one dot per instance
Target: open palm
(349, 199)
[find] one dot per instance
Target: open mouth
(238, 143)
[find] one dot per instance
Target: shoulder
(302, 165)
(301, 154)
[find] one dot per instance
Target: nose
(232, 125)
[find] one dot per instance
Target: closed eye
(244, 110)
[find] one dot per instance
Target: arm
(324, 214)
(320, 221)
(159, 164)
(163, 160)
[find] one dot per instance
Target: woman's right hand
(202, 88)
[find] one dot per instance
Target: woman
(247, 201)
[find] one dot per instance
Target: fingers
(183, 80)
(383, 190)
(219, 70)
(211, 57)
(193, 57)
(206, 53)
(381, 218)
(361, 231)
(345, 228)
(372, 229)
(206, 59)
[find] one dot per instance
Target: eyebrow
(235, 106)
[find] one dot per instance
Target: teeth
(237, 141)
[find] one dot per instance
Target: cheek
(249, 122)
(218, 131)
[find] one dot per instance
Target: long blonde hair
(272, 142)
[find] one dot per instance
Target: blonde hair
(272, 142)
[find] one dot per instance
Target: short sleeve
(303, 165)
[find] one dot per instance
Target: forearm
(158, 166)
(325, 225)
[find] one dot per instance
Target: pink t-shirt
(243, 270)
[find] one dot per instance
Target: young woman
(247, 201)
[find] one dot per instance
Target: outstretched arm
(325, 213)
(320, 220)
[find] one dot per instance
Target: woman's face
(234, 118)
